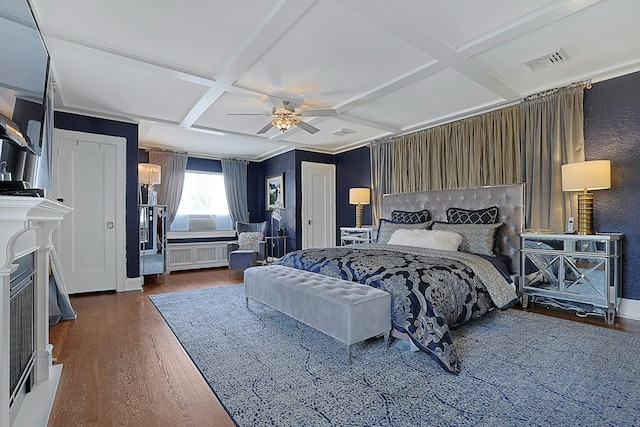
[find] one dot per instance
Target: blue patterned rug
(519, 368)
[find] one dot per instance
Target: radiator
(21, 328)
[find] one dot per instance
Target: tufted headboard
(508, 198)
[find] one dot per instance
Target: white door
(318, 205)
(85, 179)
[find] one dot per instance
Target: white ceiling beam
(278, 22)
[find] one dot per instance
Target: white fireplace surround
(26, 225)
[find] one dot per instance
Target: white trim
(39, 401)
(132, 284)
(200, 234)
(629, 308)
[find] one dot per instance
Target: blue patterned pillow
(386, 228)
(403, 217)
(466, 216)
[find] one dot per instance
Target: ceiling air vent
(342, 132)
(548, 60)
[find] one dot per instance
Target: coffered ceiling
(178, 68)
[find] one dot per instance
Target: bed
(435, 290)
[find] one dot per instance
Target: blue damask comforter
(431, 291)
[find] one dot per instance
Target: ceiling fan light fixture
(284, 120)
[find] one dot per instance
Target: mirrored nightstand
(584, 269)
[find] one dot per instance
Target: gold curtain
(552, 135)
(474, 152)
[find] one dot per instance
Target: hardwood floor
(124, 367)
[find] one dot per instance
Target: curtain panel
(172, 179)
(381, 154)
(552, 135)
(474, 152)
(235, 185)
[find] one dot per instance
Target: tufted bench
(347, 311)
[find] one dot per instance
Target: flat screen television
(24, 77)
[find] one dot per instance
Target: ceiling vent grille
(548, 60)
(342, 132)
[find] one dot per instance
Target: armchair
(243, 227)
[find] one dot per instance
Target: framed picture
(275, 191)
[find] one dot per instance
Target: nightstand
(349, 235)
(276, 247)
(585, 269)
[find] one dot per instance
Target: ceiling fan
(285, 116)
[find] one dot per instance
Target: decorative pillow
(466, 216)
(430, 239)
(250, 240)
(403, 217)
(387, 228)
(476, 238)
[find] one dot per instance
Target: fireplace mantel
(26, 226)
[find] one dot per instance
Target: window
(203, 205)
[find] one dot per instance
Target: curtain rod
(167, 150)
(585, 84)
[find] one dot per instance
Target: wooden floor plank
(124, 367)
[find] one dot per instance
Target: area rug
(519, 368)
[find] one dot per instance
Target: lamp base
(359, 215)
(152, 195)
(585, 213)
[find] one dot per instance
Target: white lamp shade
(591, 175)
(149, 174)
(359, 196)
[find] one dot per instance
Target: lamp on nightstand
(359, 197)
(585, 176)
(149, 175)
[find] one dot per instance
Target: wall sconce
(585, 176)
(359, 197)
(149, 175)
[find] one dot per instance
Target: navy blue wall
(256, 187)
(129, 131)
(289, 164)
(612, 131)
(353, 169)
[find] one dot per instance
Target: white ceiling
(178, 68)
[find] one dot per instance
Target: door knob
(109, 225)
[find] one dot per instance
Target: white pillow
(250, 240)
(430, 239)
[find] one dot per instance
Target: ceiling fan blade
(248, 114)
(307, 126)
(265, 129)
(317, 113)
(276, 101)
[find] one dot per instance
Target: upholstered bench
(347, 311)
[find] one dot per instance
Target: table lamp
(359, 197)
(585, 176)
(149, 175)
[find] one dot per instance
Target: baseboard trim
(629, 308)
(133, 284)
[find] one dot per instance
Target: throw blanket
(431, 290)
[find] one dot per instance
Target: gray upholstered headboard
(508, 198)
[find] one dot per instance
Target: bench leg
(387, 338)
(246, 302)
(349, 354)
